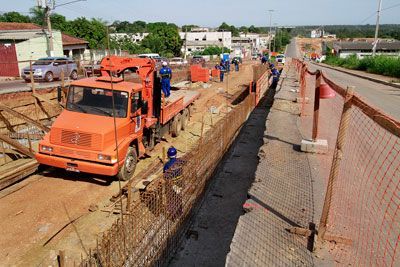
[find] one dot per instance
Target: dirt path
(45, 206)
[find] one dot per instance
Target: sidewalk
(281, 196)
(386, 80)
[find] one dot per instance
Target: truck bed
(177, 101)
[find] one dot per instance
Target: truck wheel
(176, 126)
(74, 75)
(49, 76)
(184, 119)
(128, 169)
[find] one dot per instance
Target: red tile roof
(13, 26)
(70, 40)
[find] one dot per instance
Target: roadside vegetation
(384, 65)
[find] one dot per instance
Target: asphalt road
(22, 86)
(385, 98)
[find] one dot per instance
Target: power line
(390, 7)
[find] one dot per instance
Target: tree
(37, 15)
(94, 31)
(14, 17)
(163, 38)
(188, 28)
(224, 27)
(253, 29)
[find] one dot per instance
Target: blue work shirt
(173, 169)
(275, 74)
(166, 73)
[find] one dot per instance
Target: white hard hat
(165, 63)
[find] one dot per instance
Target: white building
(255, 40)
(134, 37)
(199, 40)
(363, 49)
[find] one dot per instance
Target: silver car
(50, 68)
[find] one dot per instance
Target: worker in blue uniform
(274, 76)
(236, 62)
(174, 184)
(166, 76)
(222, 70)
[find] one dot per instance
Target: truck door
(136, 112)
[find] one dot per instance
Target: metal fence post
(337, 158)
(316, 105)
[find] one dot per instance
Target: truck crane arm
(115, 66)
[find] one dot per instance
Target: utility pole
(185, 42)
(378, 16)
(50, 5)
(47, 11)
(270, 29)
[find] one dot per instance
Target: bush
(384, 65)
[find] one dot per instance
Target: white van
(151, 55)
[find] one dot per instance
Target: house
(363, 49)
(242, 46)
(74, 47)
(21, 42)
(200, 38)
(136, 38)
(255, 40)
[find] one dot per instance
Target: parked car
(280, 58)
(159, 60)
(50, 68)
(92, 69)
(177, 61)
(198, 60)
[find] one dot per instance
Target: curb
(357, 75)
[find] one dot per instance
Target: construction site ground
(49, 211)
(264, 187)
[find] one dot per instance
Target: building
(320, 33)
(21, 42)
(74, 47)
(255, 40)
(201, 38)
(363, 49)
(134, 37)
(242, 46)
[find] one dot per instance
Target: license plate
(72, 169)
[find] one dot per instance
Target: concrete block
(318, 146)
(300, 100)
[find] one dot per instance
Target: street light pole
(378, 16)
(270, 29)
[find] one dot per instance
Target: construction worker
(166, 76)
(236, 62)
(274, 77)
(222, 69)
(174, 185)
(264, 60)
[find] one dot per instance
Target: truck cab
(108, 123)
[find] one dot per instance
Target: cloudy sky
(213, 12)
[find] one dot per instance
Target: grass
(388, 66)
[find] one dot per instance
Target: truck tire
(184, 119)
(176, 126)
(130, 162)
(49, 76)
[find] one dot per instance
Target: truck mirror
(59, 94)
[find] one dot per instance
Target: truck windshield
(97, 101)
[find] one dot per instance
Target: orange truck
(108, 123)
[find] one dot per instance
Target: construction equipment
(109, 123)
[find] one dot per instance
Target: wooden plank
(17, 146)
(18, 174)
(25, 118)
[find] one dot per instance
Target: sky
(211, 13)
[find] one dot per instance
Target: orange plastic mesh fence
(363, 216)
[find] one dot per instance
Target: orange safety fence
(361, 214)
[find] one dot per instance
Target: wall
(36, 48)
(209, 36)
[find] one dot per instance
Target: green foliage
(212, 51)
(188, 28)
(384, 65)
(14, 17)
(229, 28)
(127, 27)
(354, 31)
(282, 38)
(163, 38)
